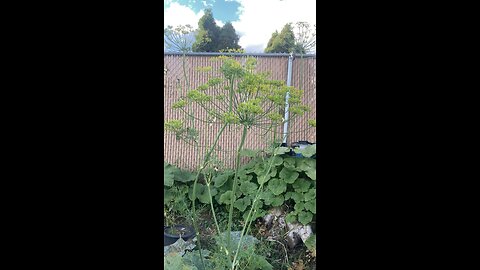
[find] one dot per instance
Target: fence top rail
(239, 54)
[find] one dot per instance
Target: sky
(253, 20)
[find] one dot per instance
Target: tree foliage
(212, 38)
(228, 38)
(283, 42)
(299, 38)
(206, 39)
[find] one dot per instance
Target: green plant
(247, 99)
(175, 190)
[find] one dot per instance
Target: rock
(275, 222)
(292, 239)
(297, 232)
(274, 214)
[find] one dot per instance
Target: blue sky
(224, 10)
(253, 20)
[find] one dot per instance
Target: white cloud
(259, 19)
(177, 14)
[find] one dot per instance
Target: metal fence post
(289, 83)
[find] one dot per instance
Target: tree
(228, 38)
(178, 39)
(284, 42)
(211, 38)
(207, 36)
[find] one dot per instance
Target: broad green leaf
(243, 176)
(168, 175)
(301, 185)
(297, 197)
(263, 179)
(278, 200)
(277, 186)
(289, 163)
(267, 197)
(307, 151)
(222, 178)
(226, 197)
(184, 176)
(248, 152)
(288, 175)
(305, 217)
(261, 169)
(288, 195)
(299, 206)
(291, 217)
(312, 173)
(311, 194)
(281, 150)
(174, 261)
(311, 206)
(248, 188)
(168, 196)
(202, 193)
(273, 172)
(241, 204)
(305, 164)
(259, 204)
(250, 167)
(277, 161)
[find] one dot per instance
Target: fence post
(289, 83)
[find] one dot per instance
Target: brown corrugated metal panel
(186, 156)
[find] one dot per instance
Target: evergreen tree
(207, 37)
(228, 38)
(283, 42)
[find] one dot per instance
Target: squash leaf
(288, 175)
(311, 194)
(267, 197)
(168, 174)
(278, 200)
(248, 188)
(226, 197)
(248, 152)
(277, 161)
(299, 206)
(305, 217)
(308, 151)
(241, 204)
(184, 176)
(301, 185)
(221, 179)
(291, 217)
(311, 206)
(277, 186)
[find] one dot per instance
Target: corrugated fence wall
(186, 156)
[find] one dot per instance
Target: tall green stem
(237, 166)
(194, 213)
(249, 218)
